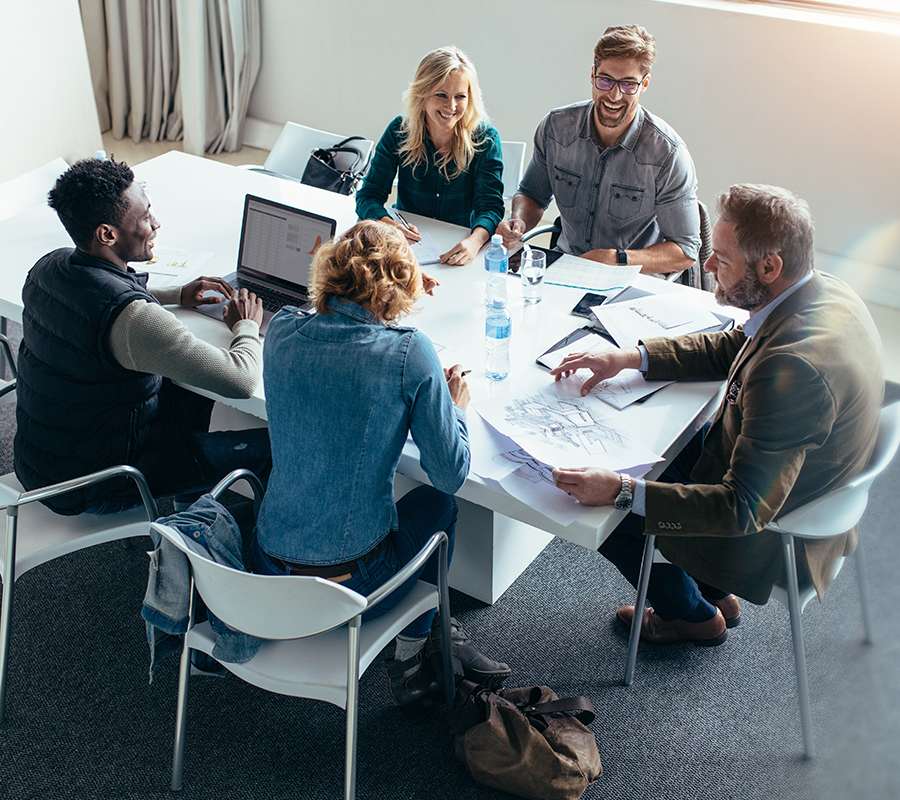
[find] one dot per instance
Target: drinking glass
(532, 270)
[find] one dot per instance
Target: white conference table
(199, 204)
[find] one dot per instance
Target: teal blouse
(471, 199)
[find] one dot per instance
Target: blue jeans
(672, 592)
(224, 451)
(421, 513)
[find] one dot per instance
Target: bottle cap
(496, 239)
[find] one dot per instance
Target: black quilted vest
(78, 410)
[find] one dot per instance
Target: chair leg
(790, 565)
(643, 582)
(9, 582)
(862, 579)
(352, 708)
(184, 676)
(444, 610)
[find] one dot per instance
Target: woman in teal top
(447, 155)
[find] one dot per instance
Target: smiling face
(134, 237)
(613, 110)
(737, 283)
(446, 107)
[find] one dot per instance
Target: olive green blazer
(799, 419)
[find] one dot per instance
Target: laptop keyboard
(272, 299)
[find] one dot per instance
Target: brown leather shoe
(730, 608)
(710, 633)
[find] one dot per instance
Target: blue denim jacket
(640, 191)
(342, 392)
(208, 529)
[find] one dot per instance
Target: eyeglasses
(605, 84)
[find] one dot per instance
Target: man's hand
(411, 233)
(242, 305)
(429, 284)
(605, 364)
(192, 293)
(512, 231)
(456, 383)
(590, 486)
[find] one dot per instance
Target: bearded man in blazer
(805, 383)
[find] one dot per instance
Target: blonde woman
(447, 156)
(350, 384)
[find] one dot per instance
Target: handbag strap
(581, 706)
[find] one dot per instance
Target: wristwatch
(626, 494)
(621, 258)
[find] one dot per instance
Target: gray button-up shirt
(640, 191)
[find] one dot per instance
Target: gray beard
(748, 293)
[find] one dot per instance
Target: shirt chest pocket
(565, 187)
(625, 201)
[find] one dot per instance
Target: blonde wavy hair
(432, 71)
(371, 265)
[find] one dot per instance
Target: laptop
(275, 255)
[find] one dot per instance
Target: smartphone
(583, 307)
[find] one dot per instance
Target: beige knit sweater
(147, 338)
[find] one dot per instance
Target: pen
(465, 372)
(400, 217)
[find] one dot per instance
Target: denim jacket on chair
(208, 529)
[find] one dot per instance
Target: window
(879, 9)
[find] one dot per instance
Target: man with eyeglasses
(623, 180)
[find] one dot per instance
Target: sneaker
(205, 666)
(468, 663)
(411, 684)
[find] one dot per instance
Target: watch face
(622, 258)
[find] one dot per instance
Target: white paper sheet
(655, 315)
(624, 389)
(590, 275)
(558, 426)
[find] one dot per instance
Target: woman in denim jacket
(344, 387)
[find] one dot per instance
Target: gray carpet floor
(721, 722)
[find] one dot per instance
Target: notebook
(275, 255)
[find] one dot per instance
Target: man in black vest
(99, 355)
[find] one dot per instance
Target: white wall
(46, 98)
(810, 107)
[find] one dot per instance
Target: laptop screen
(278, 242)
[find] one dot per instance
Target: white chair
(45, 535)
(30, 189)
(513, 167)
(830, 515)
(318, 646)
(289, 156)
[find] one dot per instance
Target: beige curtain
(174, 69)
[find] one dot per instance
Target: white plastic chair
(45, 535)
(29, 190)
(831, 515)
(289, 156)
(513, 167)
(318, 646)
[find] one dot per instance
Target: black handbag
(526, 741)
(321, 170)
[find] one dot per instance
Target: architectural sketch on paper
(563, 422)
(529, 467)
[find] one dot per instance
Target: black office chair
(695, 276)
(7, 361)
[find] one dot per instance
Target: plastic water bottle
(497, 333)
(496, 263)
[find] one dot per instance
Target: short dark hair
(767, 220)
(88, 194)
(627, 41)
